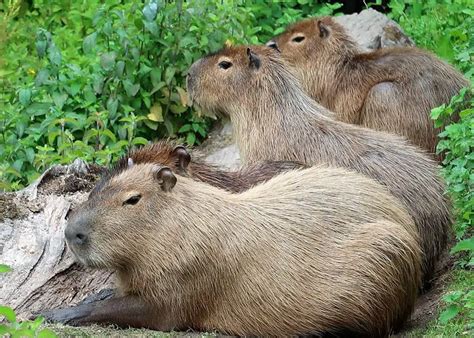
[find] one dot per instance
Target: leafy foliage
(457, 142)
(449, 36)
(13, 328)
(100, 77)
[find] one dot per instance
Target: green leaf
(110, 135)
(464, 245)
(24, 96)
(112, 105)
(73, 89)
(156, 113)
(59, 99)
(107, 28)
(150, 11)
(41, 77)
(185, 128)
(8, 313)
(46, 333)
(41, 46)
(38, 108)
(30, 155)
(169, 74)
(139, 140)
(98, 83)
(54, 55)
(191, 139)
(178, 109)
(34, 325)
(448, 314)
(130, 88)
(4, 330)
(4, 268)
(155, 76)
(89, 43)
(152, 27)
(107, 60)
(151, 124)
(119, 68)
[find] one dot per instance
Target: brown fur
(309, 251)
(163, 152)
(391, 89)
(274, 119)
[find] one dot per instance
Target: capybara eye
(298, 39)
(132, 200)
(225, 64)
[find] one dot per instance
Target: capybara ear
(130, 162)
(165, 177)
(183, 157)
(273, 44)
(254, 61)
(323, 30)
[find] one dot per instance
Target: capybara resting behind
(274, 119)
(309, 251)
(177, 157)
(390, 89)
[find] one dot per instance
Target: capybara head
(104, 231)
(309, 40)
(220, 80)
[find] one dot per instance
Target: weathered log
(32, 232)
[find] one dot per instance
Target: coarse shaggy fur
(274, 119)
(309, 251)
(390, 89)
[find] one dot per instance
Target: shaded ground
(68, 331)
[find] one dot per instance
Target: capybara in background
(274, 119)
(177, 157)
(390, 89)
(309, 251)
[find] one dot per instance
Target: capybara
(177, 157)
(390, 89)
(274, 119)
(310, 251)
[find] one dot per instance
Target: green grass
(111, 331)
(461, 326)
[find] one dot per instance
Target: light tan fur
(390, 89)
(274, 119)
(309, 251)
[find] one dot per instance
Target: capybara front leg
(127, 311)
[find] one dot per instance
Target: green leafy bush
(101, 77)
(457, 142)
(444, 26)
(13, 328)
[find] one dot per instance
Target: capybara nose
(75, 236)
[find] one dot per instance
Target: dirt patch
(427, 305)
(8, 207)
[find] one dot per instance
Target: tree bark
(32, 222)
